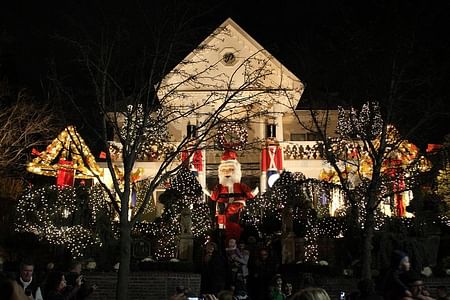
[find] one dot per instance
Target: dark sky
(346, 52)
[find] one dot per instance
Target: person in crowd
(11, 290)
(442, 293)
(307, 280)
(276, 288)
(288, 290)
(56, 287)
(311, 293)
(71, 279)
(245, 257)
(416, 287)
(261, 274)
(50, 267)
(236, 266)
(28, 282)
(213, 270)
(392, 286)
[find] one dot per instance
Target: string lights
(66, 217)
(68, 146)
(231, 135)
(184, 192)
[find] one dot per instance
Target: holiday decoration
(73, 159)
(65, 174)
(365, 124)
(184, 192)
(231, 136)
(67, 217)
(301, 152)
(230, 195)
(401, 158)
(193, 159)
(135, 175)
(271, 161)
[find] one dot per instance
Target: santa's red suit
(230, 196)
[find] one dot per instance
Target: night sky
(346, 52)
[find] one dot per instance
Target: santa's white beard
(228, 182)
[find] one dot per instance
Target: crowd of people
(51, 285)
(233, 273)
(252, 273)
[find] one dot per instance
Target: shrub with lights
(63, 216)
(310, 200)
(184, 192)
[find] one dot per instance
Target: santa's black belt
(231, 195)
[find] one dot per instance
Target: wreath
(231, 135)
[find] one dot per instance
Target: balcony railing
(295, 150)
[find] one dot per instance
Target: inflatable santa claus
(230, 195)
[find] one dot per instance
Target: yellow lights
(69, 145)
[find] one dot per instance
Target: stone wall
(143, 285)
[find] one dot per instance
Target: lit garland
(231, 135)
(66, 217)
(68, 145)
(312, 233)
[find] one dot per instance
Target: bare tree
(24, 124)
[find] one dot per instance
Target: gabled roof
(226, 61)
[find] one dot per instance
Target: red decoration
(35, 152)
(102, 155)
(399, 187)
(194, 161)
(230, 202)
(433, 147)
(229, 155)
(394, 170)
(66, 173)
(230, 195)
(271, 158)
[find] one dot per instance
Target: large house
(226, 61)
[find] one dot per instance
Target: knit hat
(397, 257)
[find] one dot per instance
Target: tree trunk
(366, 255)
(125, 256)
